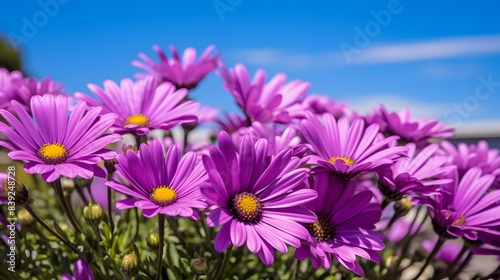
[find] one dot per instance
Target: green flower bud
(64, 226)
(132, 148)
(110, 165)
(25, 218)
(93, 214)
(198, 265)
(153, 240)
(14, 188)
(130, 265)
(403, 206)
(82, 183)
(67, 184)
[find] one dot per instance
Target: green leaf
(107, 231)
(59, 230)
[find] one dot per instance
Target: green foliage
(9, 57)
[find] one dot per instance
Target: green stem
(385, 203)
(465, 248)
(186, 135)
(207, 229)
(97, 234)
(311, 271)
(295, 269)
(89, 188)
(110, 209)
(136, 234)
(394, 218)
(140, 140)
(82, 196)
(176, 231)
(42, 222)
(462, 266)
(161, 233)
(68, 211)
(439, 243)
(406, 243)
(225, 261)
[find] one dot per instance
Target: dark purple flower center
(323, 229)
(245, 207)
(391, 195)
(445, 220)
(163, 196)
(54, 153)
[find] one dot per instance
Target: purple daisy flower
(345, 225)
(14, 87)
(412, 130)
(487, 250)
(348, 150)
(277, 137)
(54, 144)
(232, 122)
(319, 105)
(416, 175)
(160, 183)
(207, 114)
(263, 102)
(465, 207)
(185, 73)
(81, 271)
(142, 106)
(257, 198)
(465, 157)
(9, 82)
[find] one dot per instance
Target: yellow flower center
(459, 222)
(246, 207)
(54, 153)
(247, 204)
(138, 119)
(347, 160)
(163, 195)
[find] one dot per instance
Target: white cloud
(432, 49)
(397, 103)
(420, 110)
(285, 60)
(450, 70)
(436, 49)
(479, 129)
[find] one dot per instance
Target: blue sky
(427, 56)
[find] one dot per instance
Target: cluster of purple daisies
(290, 170)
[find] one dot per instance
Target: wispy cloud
(428, 110)
(429, 50)
(442, 70)
(394, 102)
(276, 57)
